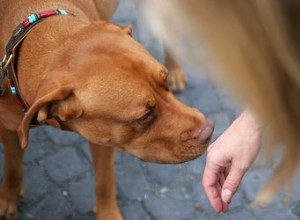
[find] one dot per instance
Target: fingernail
(226, 195)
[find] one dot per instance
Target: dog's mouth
(187, 153)
(192, 152)
(187, 150)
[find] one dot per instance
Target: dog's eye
(145, 118)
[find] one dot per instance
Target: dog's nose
(206, 133)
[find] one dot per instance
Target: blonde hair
(256, 43)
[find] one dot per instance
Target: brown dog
(83, 74)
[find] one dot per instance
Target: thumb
(232, 183)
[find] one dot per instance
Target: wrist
(247, 121)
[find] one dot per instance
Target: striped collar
(8, 64)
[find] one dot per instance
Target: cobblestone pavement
(59, 176)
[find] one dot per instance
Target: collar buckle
(3, 72)
(5, 62)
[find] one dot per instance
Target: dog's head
(115, 94)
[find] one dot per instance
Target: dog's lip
(183, 157)
(175, 159)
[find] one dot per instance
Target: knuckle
(211, 157)
(242, 168)
(232, 184)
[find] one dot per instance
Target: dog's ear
(66, 109)
(51, 101)
(41, 103)
(128, 29)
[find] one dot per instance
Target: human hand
(228, 159)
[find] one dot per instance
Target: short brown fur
(94, 79)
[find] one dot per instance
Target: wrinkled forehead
(121, 61)
(115, 93)
(121, 83)
(118, 73)
(124, 51)
(112, 51)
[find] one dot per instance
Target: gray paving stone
(253, 182)
(53, 206)
(88, 216)
(60, 137)
(37, 150)
(196, 166)
(38, 135)
(201, 200)
(295, 194)
(83, 147)
(178, 193)
(135, 211)
(130, 178)
(168, 208)
(295, 208)
(277, 211)
(235, 214)
(65, 164)
(165, 175)
(36, 182)
(82, 194)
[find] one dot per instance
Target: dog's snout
(206, 133)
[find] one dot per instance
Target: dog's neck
(15, 11)
(45, 38)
